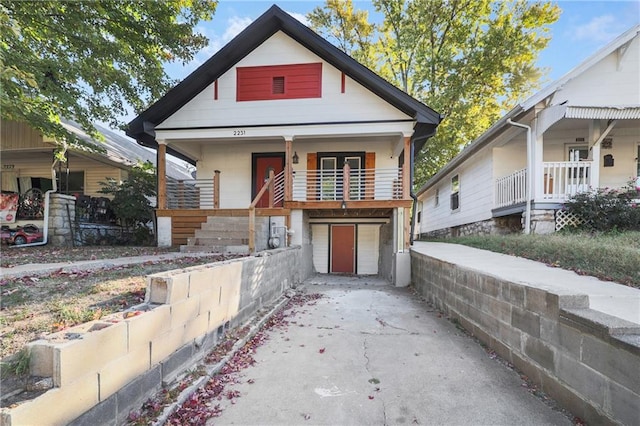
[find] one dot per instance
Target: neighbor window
(455, 193)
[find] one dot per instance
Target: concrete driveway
(371, 354)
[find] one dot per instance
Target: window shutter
(312, 161)
(369, 178)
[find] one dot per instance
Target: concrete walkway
(611, 298)
(371, 354)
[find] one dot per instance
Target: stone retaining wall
(104, 369)
(587, 360)
(61, 220)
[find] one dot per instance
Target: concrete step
(217, 241)
(243, 249)
(226, 233)
(222, 223)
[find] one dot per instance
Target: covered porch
(572, 150)
(266, 179)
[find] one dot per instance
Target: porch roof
(603, 113)
(142, 128)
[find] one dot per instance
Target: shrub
(607, 209)
(130, 201)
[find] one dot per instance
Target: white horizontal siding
(607, 83)
(320, 244)
(234, 161)
(354, 105)
(476, 196)
(368, 249)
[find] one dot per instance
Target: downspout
(527, 215)
(412, 194)
(411, 173)
(47, 195)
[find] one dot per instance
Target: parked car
(26, 234)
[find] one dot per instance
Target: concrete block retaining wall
(104, 369)
(587, 360)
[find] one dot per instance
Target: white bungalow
(580, 132)
(294, 143)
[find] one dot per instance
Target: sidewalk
(34, 269)
(605, 296)
(371, 354)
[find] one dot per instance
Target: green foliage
(88, 60)
(607, 209)
(469, 60)
(608, 256)
(130, 201)
(18, 365)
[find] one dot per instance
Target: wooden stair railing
(252, 209)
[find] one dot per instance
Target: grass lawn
(31, 307)
(610, 257)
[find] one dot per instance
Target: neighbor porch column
(161, 169)
(536, 170)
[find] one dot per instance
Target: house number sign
(239, 132)
(8, 166)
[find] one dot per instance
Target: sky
(584, 27)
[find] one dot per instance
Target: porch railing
(511, 189)
(559, 181)
(563, 179)
(363, 184)
(193, 193)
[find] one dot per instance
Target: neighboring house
(280, 101)
(28, 164)
(584, 134)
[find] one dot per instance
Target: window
(455, 193)
(71, 183)
(330, 165)
(277, 87)
(578, 153)
(437, 197)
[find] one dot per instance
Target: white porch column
(595, 133)
(537, 157)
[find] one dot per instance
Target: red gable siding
(300, 81)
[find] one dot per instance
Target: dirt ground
(31, 306)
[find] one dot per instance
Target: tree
(89, 60)
(130, 202)
(470, 60)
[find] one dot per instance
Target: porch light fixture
(344, 204)
(295, 157)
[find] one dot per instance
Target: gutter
(413, 195)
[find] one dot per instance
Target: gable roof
(525, 106)
(120, 150)
(273, 20)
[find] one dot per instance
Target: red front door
(343, 248)
(263, 163)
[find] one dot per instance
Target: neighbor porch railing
(563, 179)
(362, 184)
(559, 181)
(511, 189)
